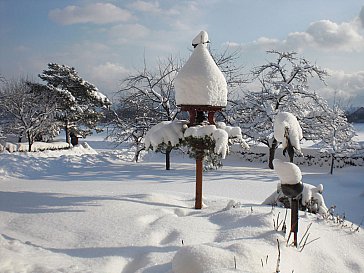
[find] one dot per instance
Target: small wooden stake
(294, 219)
(198, 200)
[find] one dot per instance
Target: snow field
(100, 212)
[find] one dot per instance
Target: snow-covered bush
(37, 146)
(310, 157)
(43, 146)
(165, 133)
(207, 141)
(311, 199)
(288, 131)
(11, 147)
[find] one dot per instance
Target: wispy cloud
(153, 7)
(98, 13)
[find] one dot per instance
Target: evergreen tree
(79, 103)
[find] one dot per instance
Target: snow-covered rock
(200, 81)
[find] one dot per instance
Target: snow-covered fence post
(291, 177)
(200, 88)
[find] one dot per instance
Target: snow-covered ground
(86, 211)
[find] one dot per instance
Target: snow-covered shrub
(310, 157)
(11, 147)
(287, 130)
(43, 146)
(203, 141)
(165, 133)
(311, 199)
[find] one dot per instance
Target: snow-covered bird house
(200, 85)
(201, 89)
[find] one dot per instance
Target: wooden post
(294, 219)
(198, 200)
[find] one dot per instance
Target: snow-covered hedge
(310, 157)
(37, 146)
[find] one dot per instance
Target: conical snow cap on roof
(200, 81)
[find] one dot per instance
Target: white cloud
(343, 86)
(330, 35)
(108, 76)
(128, 33)
(323, 35)
(98, 13)
(152, 7)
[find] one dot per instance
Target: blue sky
(106, 40)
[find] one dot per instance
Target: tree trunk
(332, 164)
(67, 131)
(30, 142)
(168, 158)
(272, 151)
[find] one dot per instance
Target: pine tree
(79, 103)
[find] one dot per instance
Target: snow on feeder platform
(200, 83)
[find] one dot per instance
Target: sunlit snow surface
(93, 210)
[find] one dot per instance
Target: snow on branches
(165, 132)
(176, 133)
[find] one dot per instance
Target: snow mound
(208, 258)
(287, 121)
(16, 256)
(200, 81)
(287, 172)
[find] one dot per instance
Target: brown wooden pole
(198, 200)
(294, 219)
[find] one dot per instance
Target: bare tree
(29, 111)
(284, 87)
(146, 98)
